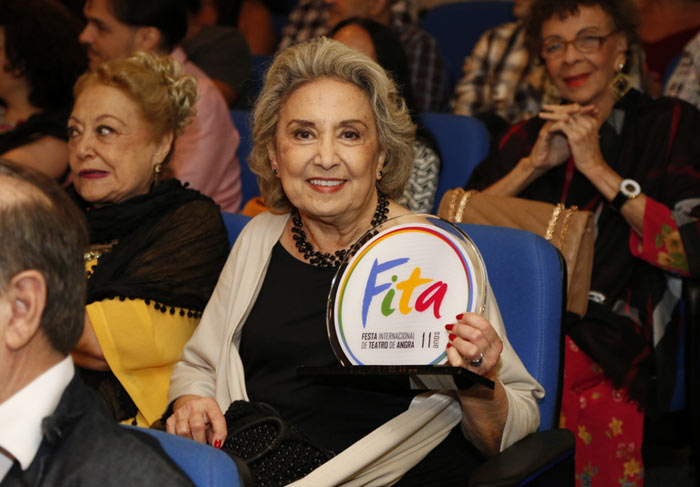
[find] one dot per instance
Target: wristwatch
(629, 189)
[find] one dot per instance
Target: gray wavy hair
(325, 58)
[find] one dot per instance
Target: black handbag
(275, 453)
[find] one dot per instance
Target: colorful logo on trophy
(399, 291)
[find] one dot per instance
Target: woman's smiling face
(583, 78)
(327, 152)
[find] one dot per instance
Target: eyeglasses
(585, 44)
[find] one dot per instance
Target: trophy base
(424, 377)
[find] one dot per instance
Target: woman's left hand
(580, 126)
(474, 344)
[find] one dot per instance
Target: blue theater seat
(249, 181)
(457, 27)
(204, 465)
(528, 277)
(463, 143)
(234, 224)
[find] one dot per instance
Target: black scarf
(171, 245)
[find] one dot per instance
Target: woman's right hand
(198, 418)
(551, 149)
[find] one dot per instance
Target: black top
(42, 124)
(38, 125)
(171, 244)
(287, 328)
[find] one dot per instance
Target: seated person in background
(666, 27)
(635, 163)
(253, 19)
(313, 18)
(309, 19)
(333, 147)
(53, 431)
(221, 52)
(684, 82)
(383, 45)
(156, 247)
(205, 155)
(40, 59)
(503, 84)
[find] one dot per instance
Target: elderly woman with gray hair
(332, 148)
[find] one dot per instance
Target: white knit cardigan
(210, 366)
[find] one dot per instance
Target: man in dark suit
(53, 431)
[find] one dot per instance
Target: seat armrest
(534, 455)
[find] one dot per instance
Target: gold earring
(157, 169)
(621, 83)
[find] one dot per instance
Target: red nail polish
(217, 444)
(449, 327)
(452, 337)
(459, 316)
(449, 345)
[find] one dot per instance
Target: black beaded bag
(275, 453)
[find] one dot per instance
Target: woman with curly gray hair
(156, 247)
(332, 148)
(634, 162)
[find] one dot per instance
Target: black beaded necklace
(320, 259)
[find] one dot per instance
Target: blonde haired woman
(156, 246)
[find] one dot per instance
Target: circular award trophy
(392, 296)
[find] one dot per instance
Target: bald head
(42, 230)
(16, 192)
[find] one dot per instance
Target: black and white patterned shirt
(684, 83)
(419, 192)
(499, 76)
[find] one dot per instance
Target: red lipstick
(577, 80)
(92, 174)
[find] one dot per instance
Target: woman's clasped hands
(570, 131)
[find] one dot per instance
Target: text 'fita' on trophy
(399, 285)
